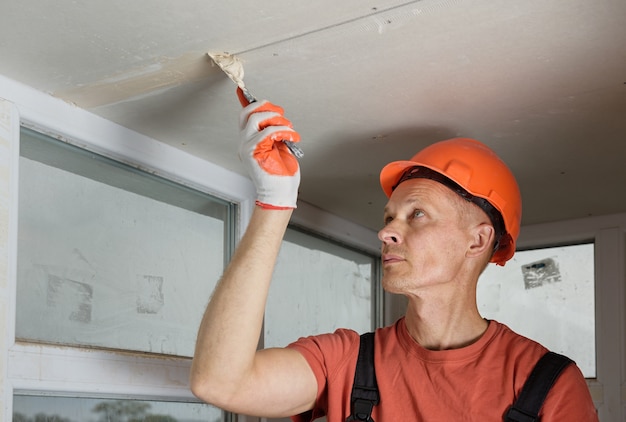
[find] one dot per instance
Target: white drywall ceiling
(365, 82)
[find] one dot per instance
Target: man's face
(425, 237)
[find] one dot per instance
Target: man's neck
(444, 324)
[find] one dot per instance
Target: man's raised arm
(227, 370)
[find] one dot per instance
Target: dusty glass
(110, 256)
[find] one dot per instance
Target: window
(117, 259)
(547, 295)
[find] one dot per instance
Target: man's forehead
(422, 191)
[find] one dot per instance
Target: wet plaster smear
(165, 73)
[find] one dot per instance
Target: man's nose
(388, 235)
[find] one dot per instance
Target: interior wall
(9, 130)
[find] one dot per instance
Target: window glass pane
(318, 286)
(548, 296)
(109, 256)
(71, 409)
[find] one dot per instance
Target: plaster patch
(400, 15)
(135, 83)
(150, 298)
(231, 65)
(72, 299)
(538, 273)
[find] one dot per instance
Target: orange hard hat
(468, 167)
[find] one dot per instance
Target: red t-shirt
(474, 383)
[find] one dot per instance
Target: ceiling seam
(328, 27)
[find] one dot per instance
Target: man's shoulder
(504, 336)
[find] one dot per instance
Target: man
(452, 209)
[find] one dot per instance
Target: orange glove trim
(271, 207)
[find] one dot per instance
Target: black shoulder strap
(365, 389)
(526, 408)
(535, 390)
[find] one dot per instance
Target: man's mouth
(391, 258)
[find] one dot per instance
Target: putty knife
(233, 68)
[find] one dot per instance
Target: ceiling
(365, 82)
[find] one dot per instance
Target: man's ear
(482, 240)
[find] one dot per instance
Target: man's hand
(272, 167)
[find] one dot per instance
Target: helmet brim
(391, 173)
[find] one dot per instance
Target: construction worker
(453, 208)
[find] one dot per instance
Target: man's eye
(387, 220)
(418, 213)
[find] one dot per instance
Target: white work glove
(272, 167)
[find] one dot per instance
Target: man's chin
(393, 285)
